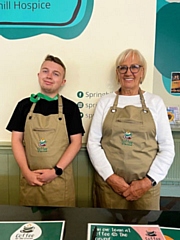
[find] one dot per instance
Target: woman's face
(130, 81)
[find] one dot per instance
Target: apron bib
(130, 147)
(46, 139)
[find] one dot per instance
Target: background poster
(167, 51)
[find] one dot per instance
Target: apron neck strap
(145, 109)
(114, 107)
(32, 110)
(60, 108)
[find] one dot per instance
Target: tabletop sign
(128, 232)
(171, 233)
(32, 230)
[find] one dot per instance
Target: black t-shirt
(44, 107)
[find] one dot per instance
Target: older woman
(130, 143)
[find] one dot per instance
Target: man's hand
(32, 178)
(45, 175)
(117, 183)
(137, 189)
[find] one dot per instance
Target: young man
(46, 136)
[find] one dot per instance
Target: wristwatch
(153, 182)
(58, 171)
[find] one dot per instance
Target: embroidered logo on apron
(42, 144)
(127, 137)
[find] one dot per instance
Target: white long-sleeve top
(165, 155)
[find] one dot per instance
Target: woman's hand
(117, 183)
(137, 189)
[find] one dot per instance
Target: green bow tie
(36, 97)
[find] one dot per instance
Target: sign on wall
(167, 48)
(65, 19)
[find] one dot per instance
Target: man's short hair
(56, 60)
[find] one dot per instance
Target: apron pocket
(132, 121)
(44, 129)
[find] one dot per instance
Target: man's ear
(63, 82)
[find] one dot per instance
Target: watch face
(59, 171)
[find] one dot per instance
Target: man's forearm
(19, 153)
(71, 151)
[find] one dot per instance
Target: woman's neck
(128, 92)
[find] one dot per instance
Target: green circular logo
(80, 94)
(80, 104)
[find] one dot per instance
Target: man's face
(51, 78)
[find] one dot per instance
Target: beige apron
(46, 139)
(130, 146)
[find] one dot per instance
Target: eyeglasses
(134, 68)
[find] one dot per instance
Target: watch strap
(153, 182)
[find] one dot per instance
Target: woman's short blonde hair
(132, 52)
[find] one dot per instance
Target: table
(76, 219)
